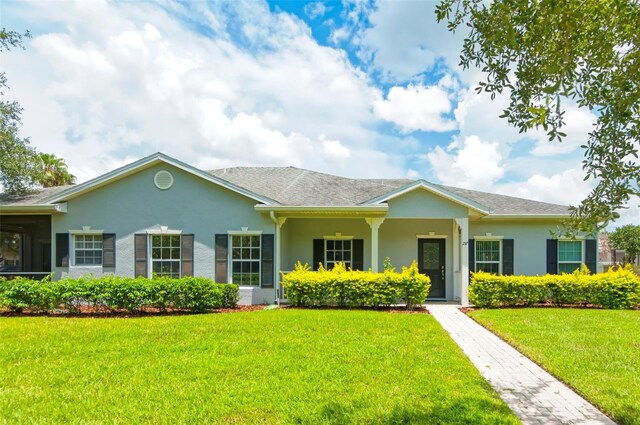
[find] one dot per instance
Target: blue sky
(355, 88)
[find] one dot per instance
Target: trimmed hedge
(617, 289)
(117, 294)
(351, 288)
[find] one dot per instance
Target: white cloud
(98, 94)
(629, 215)
(416, 108)
(404, 40)
(565, 188)
(335, 150)
(315, 10)
(473, 164)
(578, 123)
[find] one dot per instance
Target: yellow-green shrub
(617, 288)
(353, 288)
(117, 293)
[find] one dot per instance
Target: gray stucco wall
(134, 205)
(529, 241)
(398, 240)
(420, 203)
(298, 235)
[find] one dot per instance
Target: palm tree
(54, 171)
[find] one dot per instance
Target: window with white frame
(165, 255)
(337, 251)
(569, 256)
(245, 260)
(87, 250)
(488, 256)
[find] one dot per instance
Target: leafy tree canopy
(54, 171)
(627, 238)
(545, 52)
(21, 167)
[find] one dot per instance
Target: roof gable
(434, 189)
(144, 163)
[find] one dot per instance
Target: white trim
(161, 174)
(163, 230)
(86, 230)
(144, 163)
(429, 187)
(582, 252)
(525, 216)
(230, 260)
(150, 258)
(244, 232)
(368, 209)
(73, 262)
(432, 235)
(488, 236)
(34, 208)
(485, 238)
(337, 236)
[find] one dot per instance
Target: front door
(431, 262)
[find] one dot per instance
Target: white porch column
(464, 260)
(374, 223)
(276, 263)
(457, 286)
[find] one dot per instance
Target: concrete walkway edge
(533, 394)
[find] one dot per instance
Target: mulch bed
(400, 310)
(144, 312)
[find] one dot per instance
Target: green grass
(597, 352)
(276, 366)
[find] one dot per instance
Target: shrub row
(350, 288)
(618, 289)
(117, 294)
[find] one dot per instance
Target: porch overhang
(34, 209)
(510, 217)
(338, 211)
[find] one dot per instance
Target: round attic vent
(163, 179)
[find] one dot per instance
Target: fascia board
(422, 184)
(142, 164)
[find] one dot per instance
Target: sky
(354, 88)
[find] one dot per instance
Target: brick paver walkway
(534, 395)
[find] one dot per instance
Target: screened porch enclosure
(25, 246)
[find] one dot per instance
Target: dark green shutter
(186, 255)
(591, 255)
(222, 252)
(507, 257)
(552, 256)
(318, 253)
(109, 250)
(140, 249)
(472, 255)
(358, 254)
(62, 250)
(266, 261)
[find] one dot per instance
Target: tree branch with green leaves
(546, 52)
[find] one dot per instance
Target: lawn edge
(467, 310)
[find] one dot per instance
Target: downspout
(272, 214)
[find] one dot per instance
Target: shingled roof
(291, 186)
(36, 197)
(299, 187)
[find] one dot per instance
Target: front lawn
(273, 366)
(597, 352)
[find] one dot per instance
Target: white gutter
(525, 216)
(34, 209)
(324, 208)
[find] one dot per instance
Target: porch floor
(533, 394)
